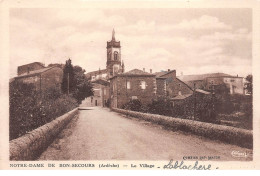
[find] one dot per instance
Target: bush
(133, 105)
(30, 109)
(234, 103)
(204, 110)
(160, 106)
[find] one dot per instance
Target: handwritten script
(182, 165)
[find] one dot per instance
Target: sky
(191, 41)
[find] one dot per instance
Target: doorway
(95, 102)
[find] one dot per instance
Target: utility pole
(194, 109)
(68, 83)
(40, 83)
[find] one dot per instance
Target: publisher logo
(239, 154)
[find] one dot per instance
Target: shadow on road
(84, 109)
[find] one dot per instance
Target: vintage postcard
(130, 85)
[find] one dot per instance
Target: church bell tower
(114, 64)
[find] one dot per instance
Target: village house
(41, 77)
(24, 69)
(170, 86)
(233, 83)
(135, 84)
(210, 81)
(101, 94)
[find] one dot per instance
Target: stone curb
(228, 134)
(31, 145)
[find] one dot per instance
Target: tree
(79, 86)
(22, 100)
(249, 84)
(83, 88)
(68, 84)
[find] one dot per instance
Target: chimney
(237, 75)
(151, 71)
(143, 69)
(181, 73)
(28, 70)
(169, 69)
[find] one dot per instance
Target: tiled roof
(186, 78)
(101, 81)
(162, 73)
(39, 63)
(96, 72)
(136, 72)
(34, 72)
(202, 91)
(181, 97)
(159, 74)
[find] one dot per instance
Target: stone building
(114, 64)
(168, 85)
(99, 74)
(100, 78)
(209, 82)
(43, 78)
(135, 84)
(101, 94)
(233, 83)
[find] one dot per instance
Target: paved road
(99, 134)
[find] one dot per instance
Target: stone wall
(174, 87)
(161, 87)
(32, 144)
(232, 135)
(51, 78)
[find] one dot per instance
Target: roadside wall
(231, 135)
(31, 145)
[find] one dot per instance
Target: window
(115, 69)
(114, 87)
(115, 55)
(134, 98)
(143, 85)
(105, 91)
(128, 86)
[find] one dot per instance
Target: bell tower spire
(114, 65)
(113, 35)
